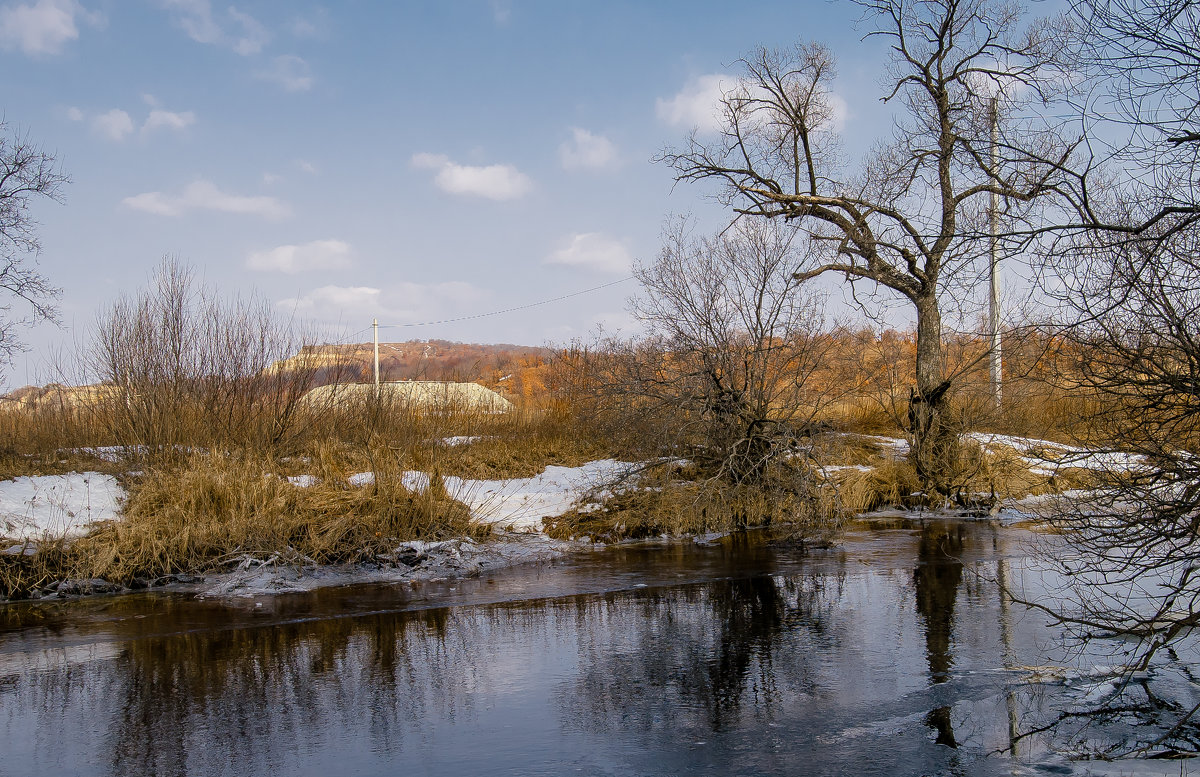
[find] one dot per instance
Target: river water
(895, 653)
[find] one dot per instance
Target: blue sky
(411, 161)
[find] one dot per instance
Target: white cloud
(254, 36)
(195, 17)
(204, 195)
(396, 304)
(114, 124)
(586, 151)
(290, 72)
(698, 104)
(160, 119)
(117, 124)
(303, 28)
(153, 202)
(313, 25)
(306, 166)
(594, 251)
(839, 111)
(317, 255)
(43, 26)
(501, 11)
(495, 182)
(332, 302)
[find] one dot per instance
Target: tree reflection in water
(729, 663)
(703, 657)
(937, 577)
(256, 695)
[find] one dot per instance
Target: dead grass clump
(881, 482)
(663, 504)
(215, 509)
(1002, 472)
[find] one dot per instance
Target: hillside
(503, 366)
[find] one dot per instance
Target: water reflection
(937, 577)
(735, 659)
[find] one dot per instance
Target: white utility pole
(994, 296)
(375, 328)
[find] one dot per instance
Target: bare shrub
(726, 377)
(724, 374)
(191, 368)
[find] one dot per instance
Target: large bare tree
(26, 174)
(912, 218)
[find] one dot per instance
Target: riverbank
(223, 524)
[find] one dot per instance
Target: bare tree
(1139, 98)
(26, 173)
(727, 373)
(912, 220)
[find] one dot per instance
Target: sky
(408, 161)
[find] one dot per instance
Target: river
(895, 653)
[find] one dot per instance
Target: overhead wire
(507, 310)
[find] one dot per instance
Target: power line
(507, 310)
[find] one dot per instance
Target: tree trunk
(934, 440)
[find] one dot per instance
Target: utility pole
(994, 295)
(375, 328)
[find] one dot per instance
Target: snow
(1045, 457)
(521, 503)
(434, 561)
(897, 446)
(303, 481)
(109, 453)
(42, 506)
(460, 440)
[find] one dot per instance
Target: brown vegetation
(214, 431)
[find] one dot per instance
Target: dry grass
(665, 502)
(886, 481)
(210, 510)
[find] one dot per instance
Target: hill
(503, 367)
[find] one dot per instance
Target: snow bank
(33, 508)
(1046, 457)
(521, 503)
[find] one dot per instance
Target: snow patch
(1045, 457)
(53, 506)
(460, 440)
(521, 503)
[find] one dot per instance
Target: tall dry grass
(673, 499)
(207, 511)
